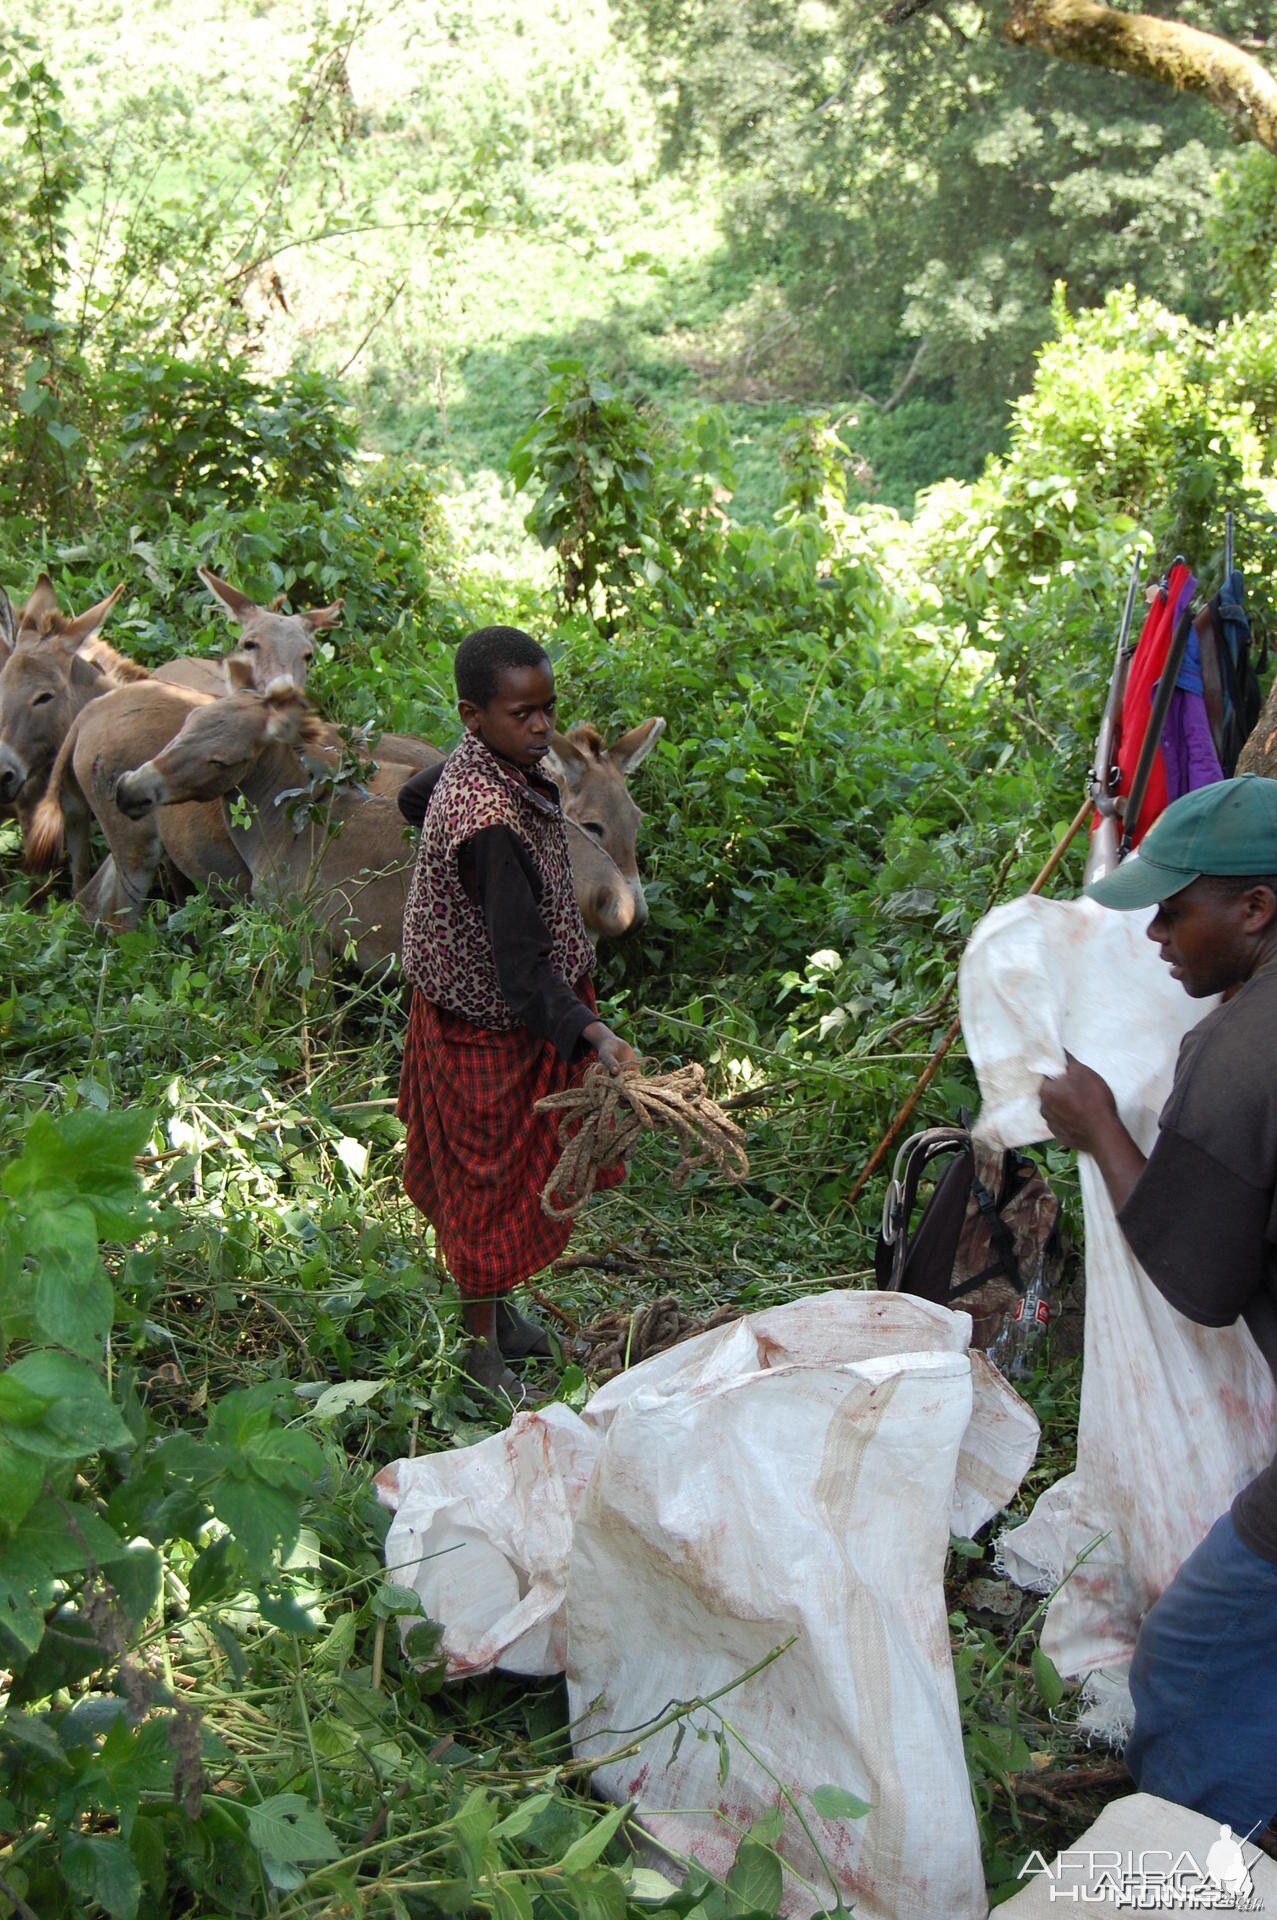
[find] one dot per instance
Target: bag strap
(900, 1199)
(1001, 1242)
(911, 1163)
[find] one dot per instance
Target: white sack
(795, 1476)
(1146, 1848)
(1174, 1418)
(483, 1535)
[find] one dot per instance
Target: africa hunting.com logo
(1152, 1880)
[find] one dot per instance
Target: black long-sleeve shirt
(499, 875)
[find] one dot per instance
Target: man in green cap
(1200, 1215)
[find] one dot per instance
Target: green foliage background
(314, 333)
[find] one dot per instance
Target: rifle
(1103, 853)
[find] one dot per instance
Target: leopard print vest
(447, 951)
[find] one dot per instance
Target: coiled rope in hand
(603, 1117)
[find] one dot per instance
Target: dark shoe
(520, 1339)
(485, 1367)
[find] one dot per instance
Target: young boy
(503, 1009)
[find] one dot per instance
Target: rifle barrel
(1102, 778)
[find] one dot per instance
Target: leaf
(290, 1829)
(285, 1610)
(86, 1155)
(835, 1803)
(100, 1868)
(19, 1405)
(598, 1894)
(512, 1899)
(79, 1415)
(74, 1304)
(768, 1828)
(353, 1155)
(213, 1574)
(524, 1814)
(29, 1731)
(21, 1478)
(756, 1878)
(1047, 1679)
(585, 1851)
(264, 1520)
(344, 1395)
(649, 1886)
(471, 1824)
(285, 1459)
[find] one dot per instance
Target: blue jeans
(1204, 1682)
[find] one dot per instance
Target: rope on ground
(603, 1117)
(620, 1339)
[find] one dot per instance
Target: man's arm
(1080, 1110)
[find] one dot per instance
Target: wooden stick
(954, 1028)
(556, 1313)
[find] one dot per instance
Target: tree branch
(1150, 48)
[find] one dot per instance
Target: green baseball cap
(1228, 828)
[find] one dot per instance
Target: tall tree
(1170, 52)
(921, 177)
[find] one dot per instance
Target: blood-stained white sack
(1175, 1418)
(483, 1536)
(793, 1479)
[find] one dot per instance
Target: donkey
(299, 836)
(247, 742)
(600, 813)
(53, 667)
(591, 779)
(277, 646)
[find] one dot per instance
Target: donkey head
(596, 802)
(44, 681)
(276, 646)
(218, 746)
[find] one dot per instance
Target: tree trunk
(1259, 755)
(1153, 49)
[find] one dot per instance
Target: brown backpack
(991, 1222)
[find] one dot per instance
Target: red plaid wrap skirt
(477, 1155)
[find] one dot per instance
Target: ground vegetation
(219, 1315)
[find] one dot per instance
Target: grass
(294, 1255)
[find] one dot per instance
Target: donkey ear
(237, 604)
(322, 616)
(85, 625)
(632, 749)
(8, 627)
(238, 669)
(565, 762)
(42, 602)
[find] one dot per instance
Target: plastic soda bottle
(1015, 1348)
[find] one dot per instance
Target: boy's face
(518, 721)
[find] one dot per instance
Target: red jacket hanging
(1142, 677)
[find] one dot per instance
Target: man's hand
(611, 1049)
(1078, 1105)
(1079, 1108)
